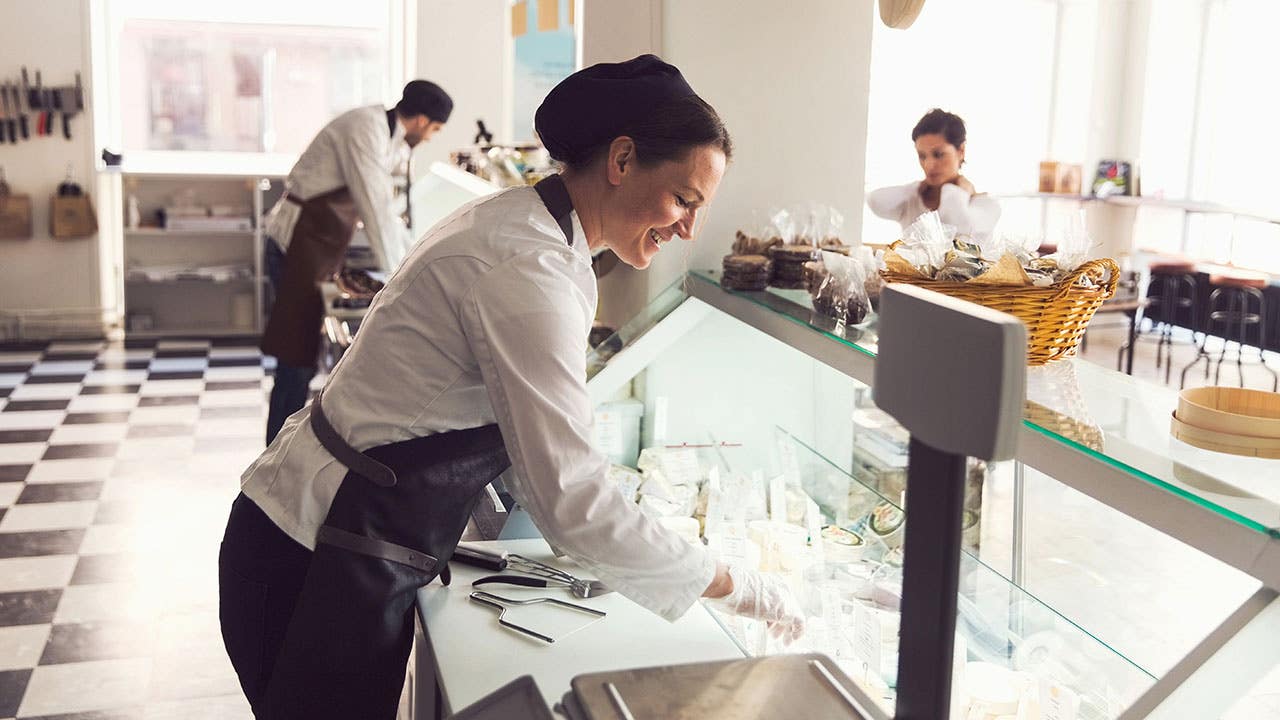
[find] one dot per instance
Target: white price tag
(1058, 702)
(790, 466)
(866, 638)
(715, 503)
(831, 617)
(778, 499)
(813, 522)
(660, 406)
(733, 549)
(608, 433)
(680, 465)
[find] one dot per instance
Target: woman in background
(939, 139)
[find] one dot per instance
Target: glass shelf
(1003, 631)
(1108, 416)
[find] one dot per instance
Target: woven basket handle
(1094, 270)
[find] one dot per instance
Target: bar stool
(1231, 306)
(1171, 290)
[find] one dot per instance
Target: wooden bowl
(1224, 442)
(1234, 411)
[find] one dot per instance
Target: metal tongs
(542, 573)
(580, 587)
(503, 604)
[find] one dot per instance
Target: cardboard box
(1058, 177)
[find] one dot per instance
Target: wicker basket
(1055, 316)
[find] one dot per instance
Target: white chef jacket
(973, 215)
(486, 321)
(359, 151)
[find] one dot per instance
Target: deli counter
(1109, 571)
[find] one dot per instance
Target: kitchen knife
(18, 105)
(470, 555)
(8, 128)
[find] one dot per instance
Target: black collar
(554, 195)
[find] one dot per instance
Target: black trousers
(260, 576)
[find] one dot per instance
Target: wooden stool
(1231, 305)
(1172, 288)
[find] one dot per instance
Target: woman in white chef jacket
(939, 138)
(469, 361)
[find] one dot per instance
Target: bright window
(1209, 141)
(992, 63)
(244, 77)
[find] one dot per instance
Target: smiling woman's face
(651, 205)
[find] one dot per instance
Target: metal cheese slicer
(503, 604)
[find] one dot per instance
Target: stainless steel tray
(781, 686)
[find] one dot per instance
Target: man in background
(343, 176)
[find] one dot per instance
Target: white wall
(461, 47)
(44, 273)
(614, 31)
(1116, 111)
(792, 89)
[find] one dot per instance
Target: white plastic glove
(767, 598)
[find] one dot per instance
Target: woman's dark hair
(940, 122)
(668, 132)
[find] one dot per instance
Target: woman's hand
(762, 597)
(963, 183)
(930, 195)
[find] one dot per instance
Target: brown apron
(319, 243)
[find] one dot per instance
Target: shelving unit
(1194, 206)
(164, 291)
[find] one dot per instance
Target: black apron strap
(554, 195)
(353, 459)
(331, 535)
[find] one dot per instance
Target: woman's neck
(587, 201)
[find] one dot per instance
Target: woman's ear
(961, 149)
(622, 158)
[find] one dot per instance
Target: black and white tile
(118, 464)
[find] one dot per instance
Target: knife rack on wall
(33, 110)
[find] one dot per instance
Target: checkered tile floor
(118, 464)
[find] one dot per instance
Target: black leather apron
(392, 527)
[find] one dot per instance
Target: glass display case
(757, 422)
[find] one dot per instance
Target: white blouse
(974, 215)
(487, 320)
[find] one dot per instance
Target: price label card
(680, 465)
(733, 548)
(813, 522)
(778, 499)
(1058, 703)
(832, 617)
(660, 405)
(608, 433)
(790, 465)
(867, 637)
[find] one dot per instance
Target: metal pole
(930, 582)
(1018, 540)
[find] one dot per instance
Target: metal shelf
(165, 232)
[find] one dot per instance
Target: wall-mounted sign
(543, 54)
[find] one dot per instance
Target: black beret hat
(594, 105)
(423, 97)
